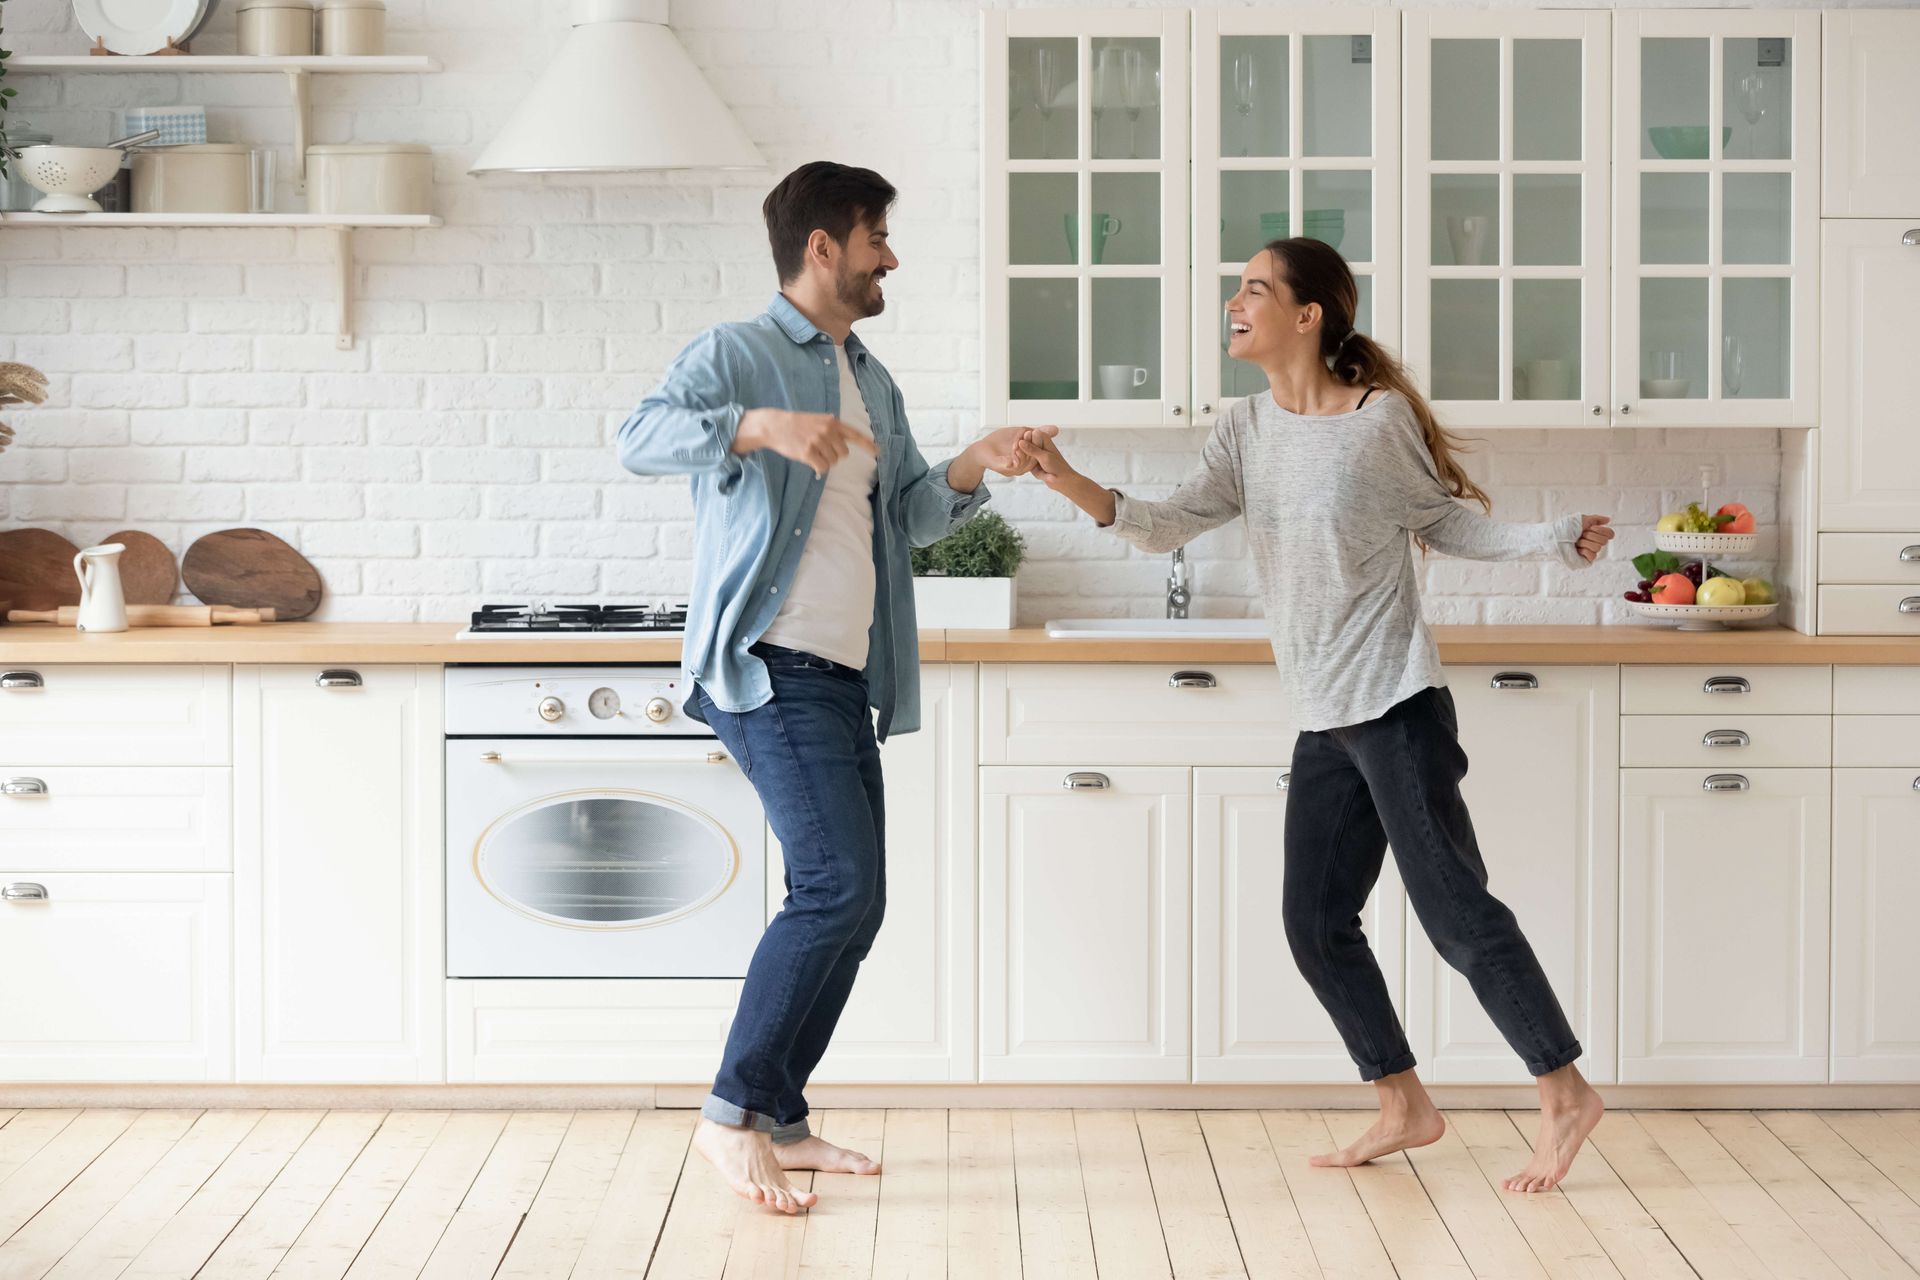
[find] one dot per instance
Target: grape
(1694, 571)
(1645, 584)
(1639, 597)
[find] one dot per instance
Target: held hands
(1004, 452)
(1595, 533)
(1040, 455)
(817, 440)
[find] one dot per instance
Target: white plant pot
(963, 604)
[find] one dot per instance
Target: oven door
(602, 858)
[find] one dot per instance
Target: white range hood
(621, 95)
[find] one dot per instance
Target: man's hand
(1000, 451)
(1042, 457)
(1595, 533)
(817, 440)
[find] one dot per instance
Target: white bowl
(1705, 545)
(68, 176)
(1703, 617)
(1665, 388)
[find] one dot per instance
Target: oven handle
(495, 757)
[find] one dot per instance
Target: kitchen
(421, 408)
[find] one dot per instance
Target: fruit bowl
(68, 176)
(1705, 545)
(1703, 617)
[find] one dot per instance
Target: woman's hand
(1042, 456)
(1058, 475)
(1595, 533)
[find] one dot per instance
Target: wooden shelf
(322, 220)
(238, 64)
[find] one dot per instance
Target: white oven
(595, 830)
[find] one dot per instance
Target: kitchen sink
(1158, 628)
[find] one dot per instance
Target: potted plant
(965, 580)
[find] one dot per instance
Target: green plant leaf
(984, 547)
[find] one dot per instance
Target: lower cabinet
(115, 976)
(1083, 924)
(587, 1030)
(337, 874)
(1724, 925)
(1876, 949)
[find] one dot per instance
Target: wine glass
(1753, 103)
(1141, 85)
(1110, 87)
(1732, 364)
(1046, 84)
(1243, 95)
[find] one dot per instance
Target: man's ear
(820, 247)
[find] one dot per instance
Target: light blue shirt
(752, 513)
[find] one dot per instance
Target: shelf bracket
(302, 90)
(343, 286)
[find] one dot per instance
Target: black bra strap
(1363, 399)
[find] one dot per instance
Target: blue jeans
(812, 758)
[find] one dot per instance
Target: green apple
(1721, 591)
(1759, 590)
(1671, 522)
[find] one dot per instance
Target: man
(808, 491)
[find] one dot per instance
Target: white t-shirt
(829, 607)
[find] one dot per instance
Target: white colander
(68, 176)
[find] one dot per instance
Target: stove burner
(563, 618)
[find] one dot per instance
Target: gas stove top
(585, 621)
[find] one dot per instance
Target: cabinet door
(911, 1016)
(1715, 218)
(1083, 924)
(1723, 940)
(1255, 1018)
(1542, 786)
(337, 870)
(1869, 451)
(1876, 950)
(1296, 131)
(1506, 191)
(1085, 224)
(116, 977)
(1870, 94)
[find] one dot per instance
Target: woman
(1333, 468)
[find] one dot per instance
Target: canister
(381, 177)
(276, 28)
(209, 178)
(353, 28)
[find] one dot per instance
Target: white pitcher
(103, 605)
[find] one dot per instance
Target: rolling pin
(152, 615)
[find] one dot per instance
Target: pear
(1759, 591)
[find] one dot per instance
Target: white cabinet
(1083, 924)
(1134, 713)
(116, 819)
(1542, 784)
(1869, 451)
(1871, 95)
(1724, 928)
(1255, 1019)
(1876, 950)
(341, 969)
(115, 715)
(911, 1016)
(587, 1030)
(113, 977)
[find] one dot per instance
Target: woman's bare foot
(1408, 1118)
(815, 1152)
(745, 1158)
(1569, 1109)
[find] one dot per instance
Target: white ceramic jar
(381, 177)
(211, 177)
(276, 28)
(353, 28)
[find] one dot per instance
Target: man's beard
(858, 295)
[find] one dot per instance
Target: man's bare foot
(815, 1152)
(745, 1158)
(1390, 1133)
(1569, 1109)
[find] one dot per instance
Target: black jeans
(1396, 780)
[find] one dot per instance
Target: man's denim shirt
(752, 514)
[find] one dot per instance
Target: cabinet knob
(551, 709)
(23, 787)
(21, 680)
(1725, 738)
(338, 678)
(659, 710)
(1514, 680)
(1177, 411)
(1626, 409)
(1726, 782)
(24, 891)
(1206, 408)
(1599, 411)
(1192, 680)
(1726, 684)
(1086, 782)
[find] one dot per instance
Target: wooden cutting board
(252, 569)
(148, 572)
(37, 565)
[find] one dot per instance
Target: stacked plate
(1707, 546)
(134, 27)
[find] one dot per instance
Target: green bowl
(1043, 389)
(1685, 141)
(1329, 226)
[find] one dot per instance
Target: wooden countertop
(433, 643)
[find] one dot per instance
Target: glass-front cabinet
(1296, 132)
(1506, 200)
(1716, 208)
(1085, 220)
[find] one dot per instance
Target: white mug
(1120, 381)
(103, 605)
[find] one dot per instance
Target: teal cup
(1274, 226)
(1104, 225)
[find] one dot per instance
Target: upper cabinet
(1870, 167)
(1085, 225)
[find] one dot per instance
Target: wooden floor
(1049, 1195)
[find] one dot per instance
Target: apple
(1759, 591)
(1742, 521)
(1721, 591)
(1673, 588)
(1672, 522)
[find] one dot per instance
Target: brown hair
(824, 196)
(1315, 273)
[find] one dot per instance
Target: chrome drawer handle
(22, 680)
(1515, 680)
(1909, 555)
(338, 678)
(1192, 680)
(1086, 782)
(1910, 605)
(23, 787)
(1726, 782)
(1726, 684)
(1726, 738)
(495, 757)
(1911, 238)
(24, 891)
(1916, 784)
(1286, 780)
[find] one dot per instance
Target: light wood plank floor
(1048, 1195)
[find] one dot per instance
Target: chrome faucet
(1178, 596)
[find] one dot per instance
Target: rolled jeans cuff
(720, 1111)
(1371, 1071)
(1554, 1061)
(786, 1134)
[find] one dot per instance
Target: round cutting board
(38, 565)
(252, 569)
(148, 572)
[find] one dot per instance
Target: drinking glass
(1046, 82)
(1732, 363)
(1142, 88)
(1753, 103)
(260, 179)
(1243, 95)
(1110, 88)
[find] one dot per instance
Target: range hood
(621, 95)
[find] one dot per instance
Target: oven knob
(552, 709)
(659, 710)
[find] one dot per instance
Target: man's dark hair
(821, 196)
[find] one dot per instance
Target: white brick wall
(462, 449)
